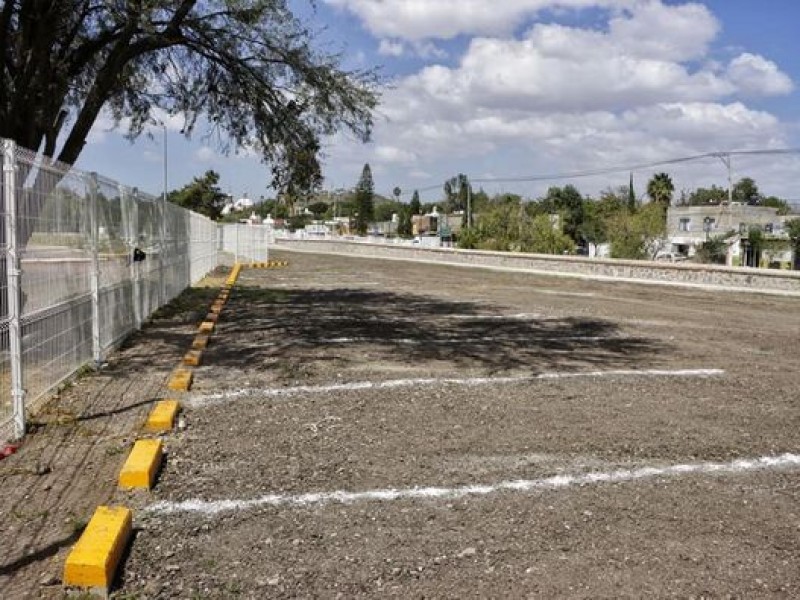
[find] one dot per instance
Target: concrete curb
(162, 417)
(93, 560)
(92, 563)
(144, 461)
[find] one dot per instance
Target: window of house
(683, 224)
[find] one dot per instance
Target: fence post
(97, 350)
(13, 286)
(131, 216)
(162, 233)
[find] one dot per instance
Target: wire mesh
(245, 242)
(6, 406)
(96, 259)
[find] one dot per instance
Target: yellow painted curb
(93, 560)
(181, 380)
(206, 327)
(139, 471)
(162, 417)
(217, 306)
(200, 341)
(192, 358)
(212, 317)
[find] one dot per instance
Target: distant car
(670, 257)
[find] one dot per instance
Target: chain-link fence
(84, 262)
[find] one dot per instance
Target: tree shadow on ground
(351, 325)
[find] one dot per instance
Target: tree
(638, 235)
(714, 250)
(544, 238)
(775, 202)
(458, 193)
(746, 191)
(247, 68)
(404, 225)
(707, 196)
(631, 196)
(318, 209)
(202, 195)
(383, 211)
(660, 189)
(568, 203)
(793, 230)
(365, 190)
(598, 213)
(415, 206)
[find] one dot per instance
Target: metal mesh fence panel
(94, 259)
(245, 242)
(6, 407)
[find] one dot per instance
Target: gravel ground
(328, 377)
(280, 413)
(69, 462)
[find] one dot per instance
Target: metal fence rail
(73, 279)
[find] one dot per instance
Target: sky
(514, 92)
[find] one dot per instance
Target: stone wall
(729, 278)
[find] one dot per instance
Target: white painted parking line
(433, 341)
(221, 397)
(784, 461)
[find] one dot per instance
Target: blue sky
(498, 90)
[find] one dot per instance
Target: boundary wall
(739, 279)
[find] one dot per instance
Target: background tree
(318, 209)
(793, 230)
(202, 195)
(746, 191)
(631, 196)
(660, 189)
(775, 202)
(364, 207)
(542, 237)
(707, 196)
(457, 192)
(404, 225)
(714, 250)
(415, 206)
(250, 70)
(639, 235)
(568, 203)
(385, 210)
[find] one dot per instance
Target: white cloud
(755, 75)
(446, 19)
(390, 48)
(640, 88)
(392, 154)
(654, 30)
(205, 154)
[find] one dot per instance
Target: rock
(468, 552)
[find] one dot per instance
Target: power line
(619, 169)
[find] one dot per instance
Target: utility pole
(726, 160)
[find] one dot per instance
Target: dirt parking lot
(365, 428)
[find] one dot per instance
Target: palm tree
(660, 188)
